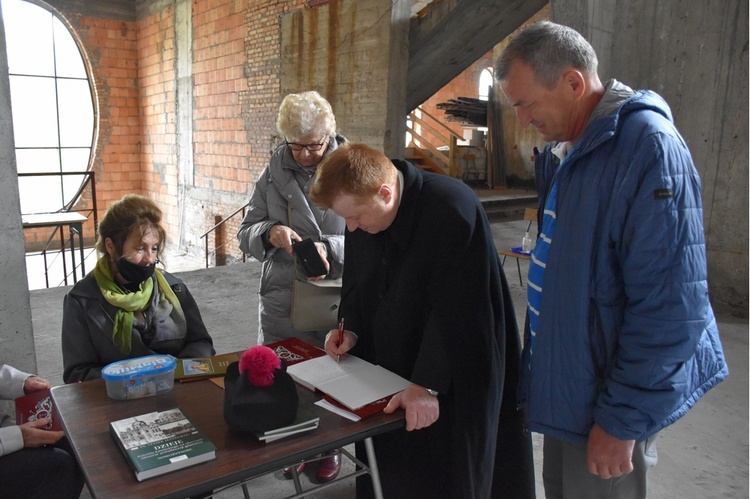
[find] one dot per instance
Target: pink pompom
(259, 362)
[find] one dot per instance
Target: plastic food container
(139, 377)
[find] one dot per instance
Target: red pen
(341, 337)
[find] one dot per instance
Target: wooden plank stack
(465, 110)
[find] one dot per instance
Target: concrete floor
(702, 456)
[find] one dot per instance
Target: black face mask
(134, 273)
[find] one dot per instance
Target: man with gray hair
(620, 340)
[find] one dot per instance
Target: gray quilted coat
(282, 184)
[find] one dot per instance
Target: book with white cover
(352, 382)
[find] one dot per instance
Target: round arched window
(485, 82)
(52, 105)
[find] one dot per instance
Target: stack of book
(292, 350)
(305, 421)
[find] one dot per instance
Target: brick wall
(157, 96)
(237, 87)
(235, 71)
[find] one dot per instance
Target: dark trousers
(41, 472)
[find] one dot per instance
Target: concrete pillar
(355, 53)
(183, 13)
(16, 332)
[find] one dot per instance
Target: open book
(353, 382)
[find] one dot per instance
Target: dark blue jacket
(627, 337)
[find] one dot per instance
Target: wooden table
(85, 412)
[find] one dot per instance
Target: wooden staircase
(420, 159)
(424, 153)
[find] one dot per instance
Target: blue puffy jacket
(627, 337)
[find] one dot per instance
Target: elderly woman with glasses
(281, 213)
(126, 307)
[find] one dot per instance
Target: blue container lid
(137, 367)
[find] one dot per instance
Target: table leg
(62, 254)
(518, 264)
(79, 230)
(73, 251)
(373, 465)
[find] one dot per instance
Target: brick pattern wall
(220, 140)
(244, 36)
(237, 73)
(157, 96)
(235, 52)
(260, 101)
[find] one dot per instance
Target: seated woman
(34, 462)
(125, 307)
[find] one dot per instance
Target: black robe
(428, 299)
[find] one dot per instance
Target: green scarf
(127, 303)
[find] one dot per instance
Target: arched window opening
(485, 82)
(52, 105)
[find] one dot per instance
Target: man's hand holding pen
(339, 342)
(422, 408)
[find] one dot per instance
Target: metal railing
(90, 180)
(219, 239)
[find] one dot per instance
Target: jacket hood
(605, 127)
(647, 99)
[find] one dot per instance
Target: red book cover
(294, 350)
(37, 405)
(364, 411)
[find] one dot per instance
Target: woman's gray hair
(304, 114)
(548, 49)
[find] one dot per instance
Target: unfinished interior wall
(694, 54)
(464, 85)
(353, 53)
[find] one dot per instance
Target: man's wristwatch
(432, 392)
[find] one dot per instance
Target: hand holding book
(35, 434)
(35, 414)
(35, 384)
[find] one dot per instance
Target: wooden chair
(530, 216)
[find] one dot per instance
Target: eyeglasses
(310, 147)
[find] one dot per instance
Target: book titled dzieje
(159, 442)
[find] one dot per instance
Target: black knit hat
(251, 406)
